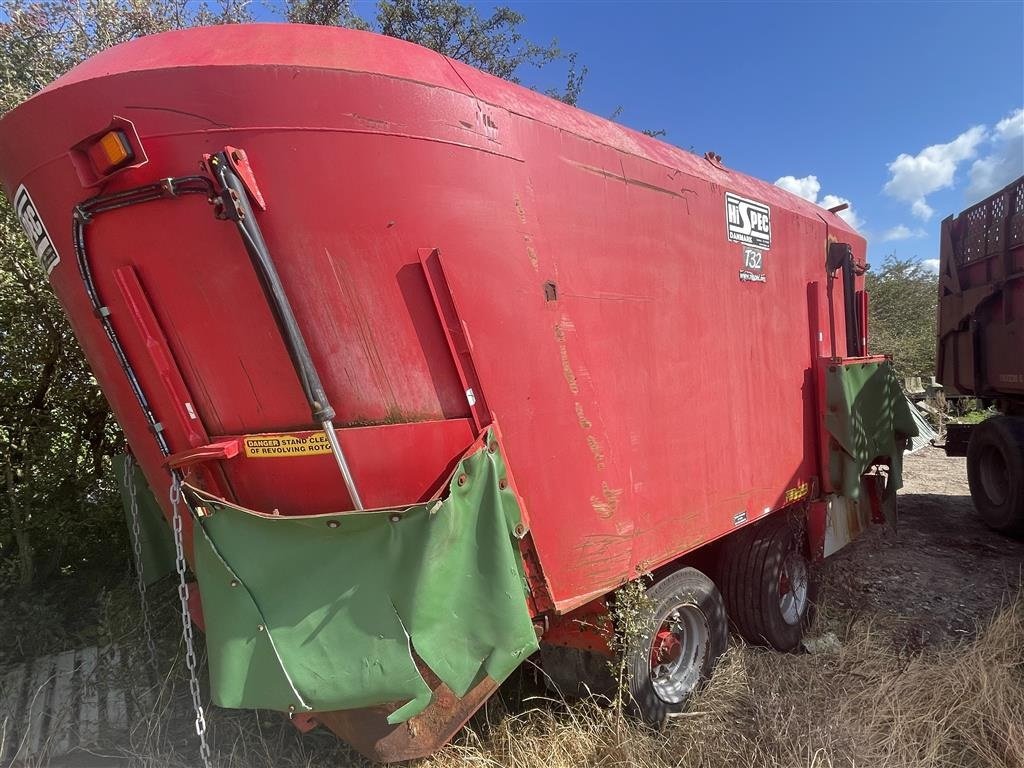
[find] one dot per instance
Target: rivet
(395, 518)
(291, 707)
(333, 523)
(461, 480)
(234, 582)
(519, 531)
(503, 484)
(260, 627)
(493, 447)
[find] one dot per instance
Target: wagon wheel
(683, 639)
(767, 585)
(995, 473)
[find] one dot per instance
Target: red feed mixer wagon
(433, 364)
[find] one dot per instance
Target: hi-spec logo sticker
(284, 446)
(36, 230)
(749, 222)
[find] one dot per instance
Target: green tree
(903, 301)
(56, 430)
(494, 44)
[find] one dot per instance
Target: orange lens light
(111, 151)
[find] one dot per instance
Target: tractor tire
(995, 473)
(677, 649)
(767, 585)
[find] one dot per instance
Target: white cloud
(849, 215)
(1005, 161)
(914, 177)
(921, 209)
(808, 188)
(902, 232)
(932, 265)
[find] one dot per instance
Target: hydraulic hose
(235, 202)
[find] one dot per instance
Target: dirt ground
(940, 573)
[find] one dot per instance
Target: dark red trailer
(433, 363)
(981, 348)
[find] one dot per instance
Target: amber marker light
(111, 151)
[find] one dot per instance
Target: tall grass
(862, 701)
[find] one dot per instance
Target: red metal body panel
(436, 226)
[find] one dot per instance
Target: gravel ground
(940, 573)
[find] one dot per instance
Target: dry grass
(861, 701)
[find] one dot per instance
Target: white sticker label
(36, 230)
(748, 221)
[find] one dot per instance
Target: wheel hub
(678, 651)
(793, 588)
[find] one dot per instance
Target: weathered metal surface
(524, 199)
(64, 703)
(370, 733)
(981, 298)
(460, 251)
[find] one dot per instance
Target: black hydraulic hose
(850, 306)
(84, 213)
(238, 209)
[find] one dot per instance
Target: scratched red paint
(676, 397)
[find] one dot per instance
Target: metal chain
(140, 581)
(186, 621)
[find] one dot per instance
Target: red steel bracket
(226, 449)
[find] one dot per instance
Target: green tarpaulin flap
(324, 612)
(865, 413)
(155, 537)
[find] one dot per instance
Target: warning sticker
(283, 446)
(36, 230)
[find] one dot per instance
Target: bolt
(519, 531)
(260, 627)
(234, 582)
(461, 480)
(291, 707)
(333, 523)
(503, 484)
(493, 447)
(396, 518)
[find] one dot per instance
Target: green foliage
(326, 13)
(632, 611)
(455, 28)
(904, 297)
(59, 502)
(493, 44)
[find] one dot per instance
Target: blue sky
(908, 110)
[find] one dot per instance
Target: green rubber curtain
(867, 415)
(325, 612)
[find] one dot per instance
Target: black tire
(757, 565)
(995, 473)
(694, 599)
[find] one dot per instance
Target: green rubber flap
(867, 415)
(156, 542)
(324, 612)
